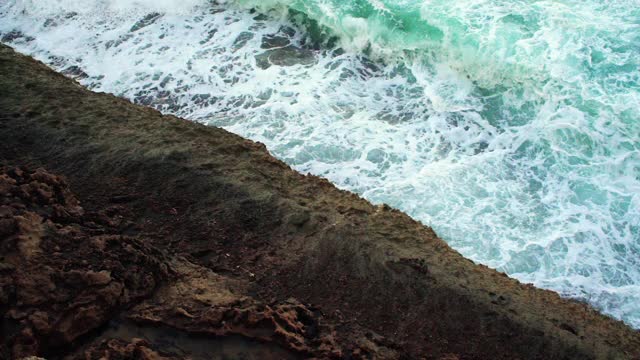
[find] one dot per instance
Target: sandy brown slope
(244, 237)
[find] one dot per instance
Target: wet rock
(146, 21)
(16, 35)
(261, 17)
(288, 31)
(204, 100)
(210, 34)
(274, 41)
(286, 56)
(242, 40)
(50, 23)
(115, 43)
(75, 72)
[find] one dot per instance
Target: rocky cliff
(126, 234)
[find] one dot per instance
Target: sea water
(511, 127)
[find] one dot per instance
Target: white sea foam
(55, 7)
(515, 134)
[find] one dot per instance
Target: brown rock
(40, 321)
(116, 349)
(98, 278)
(57, 297)
(7, 227)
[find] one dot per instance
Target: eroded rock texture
(65, 274)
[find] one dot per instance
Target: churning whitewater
(511, 127)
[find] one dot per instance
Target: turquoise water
(510, 127)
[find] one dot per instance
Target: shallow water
(510, 127)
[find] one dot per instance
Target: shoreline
(229, 231)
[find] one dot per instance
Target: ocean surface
(512, 127)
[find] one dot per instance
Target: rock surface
(166, 232)
(65, 273)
